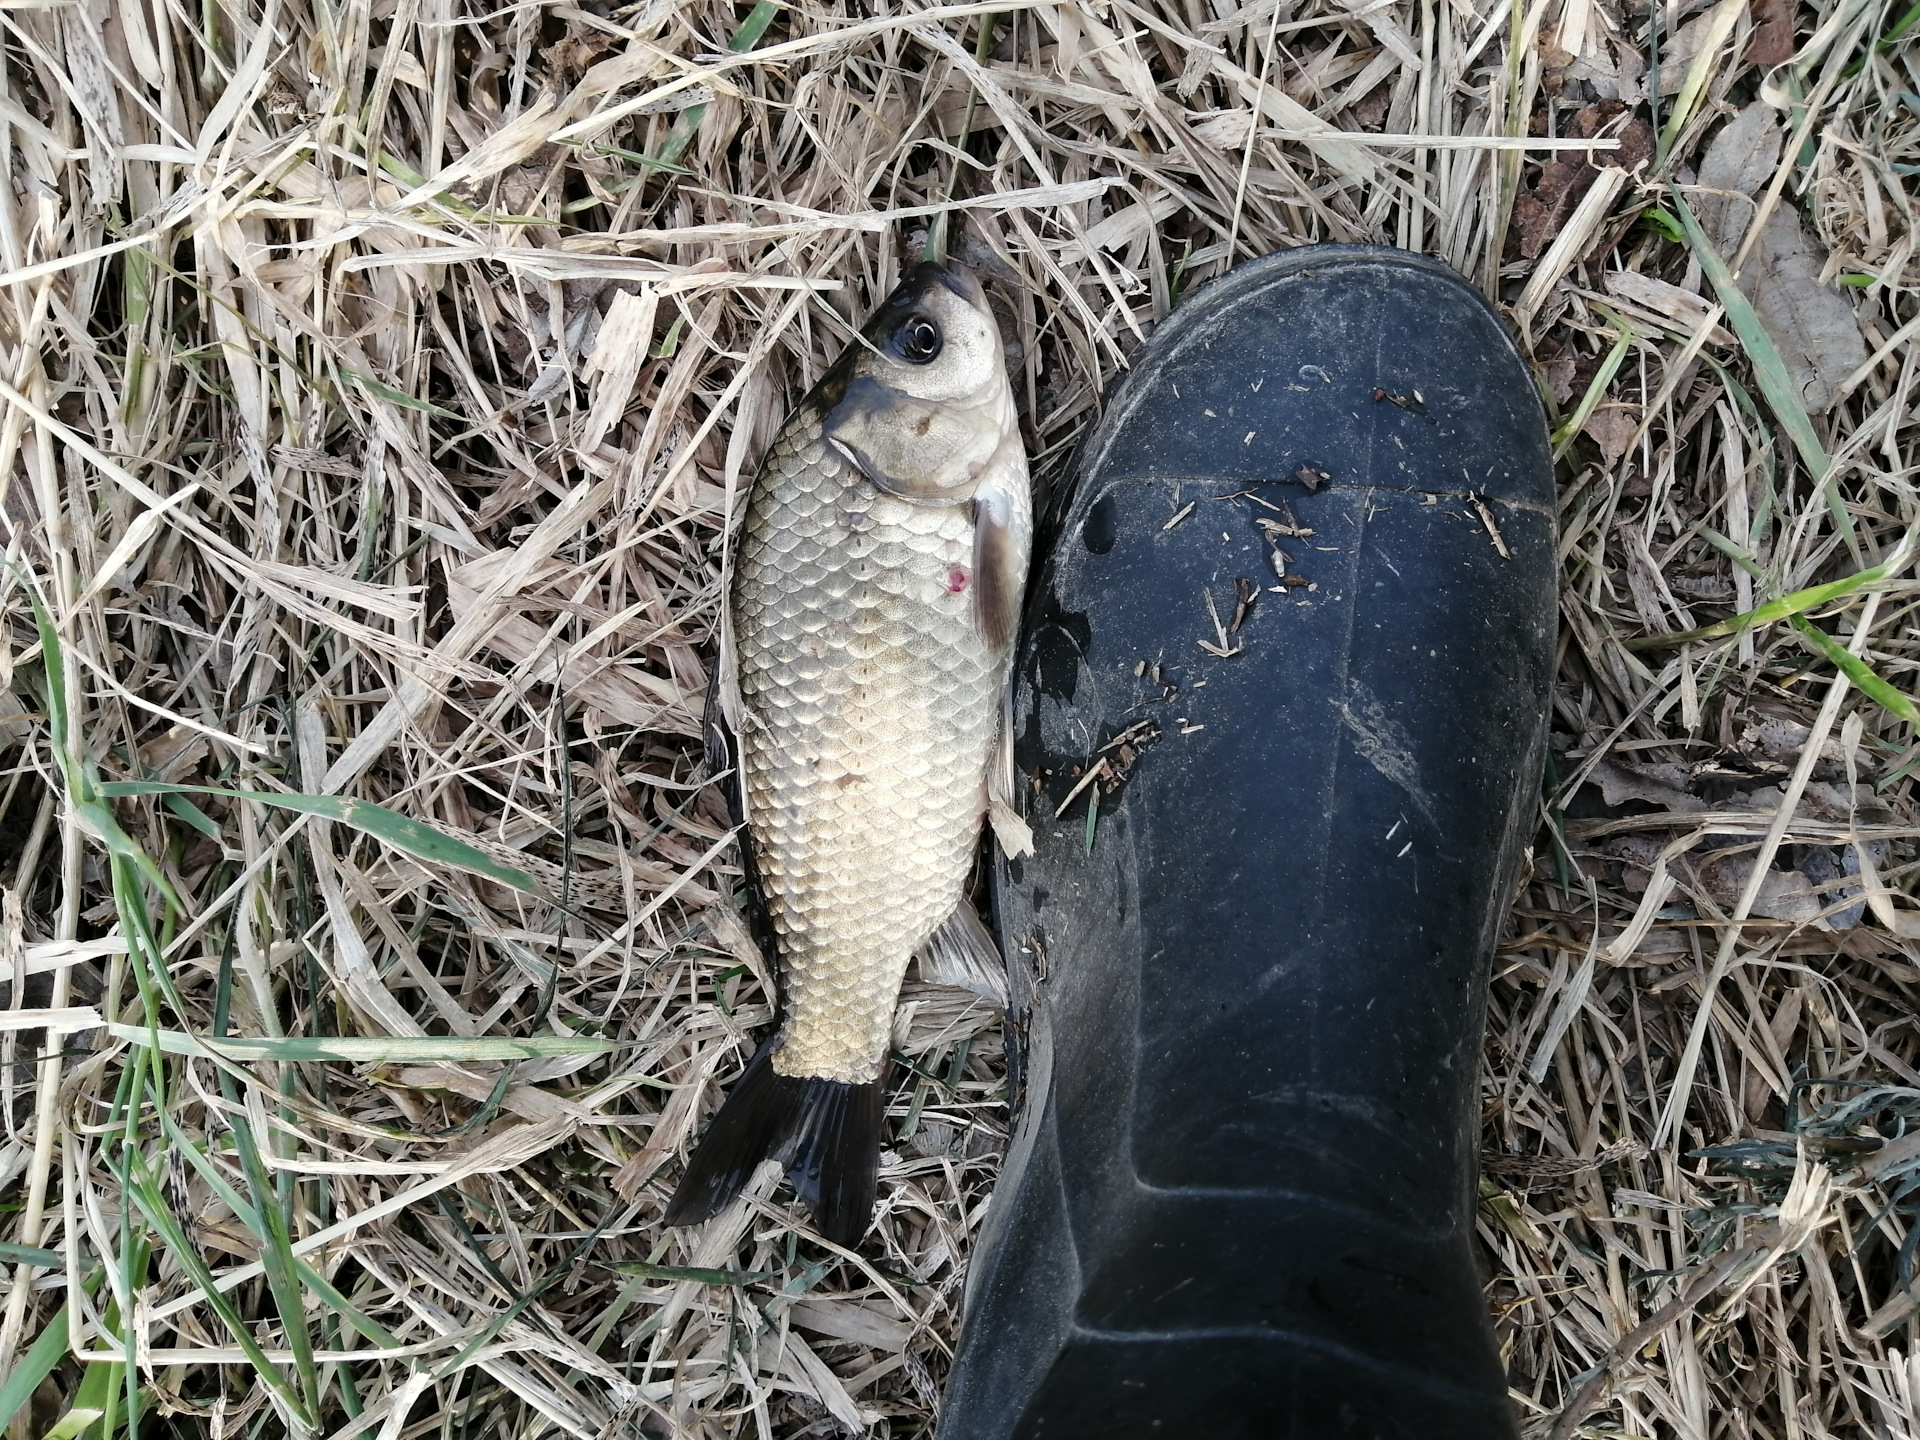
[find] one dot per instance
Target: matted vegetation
(377, 378)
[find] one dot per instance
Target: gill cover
(932, 452)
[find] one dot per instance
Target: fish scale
(861, 674)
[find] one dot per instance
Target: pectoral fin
(962, 954)
(997, 567)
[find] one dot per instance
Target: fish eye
(919, 340)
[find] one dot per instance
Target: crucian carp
(876, 591)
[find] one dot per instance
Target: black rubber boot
(1249, 988)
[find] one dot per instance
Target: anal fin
(961, 953)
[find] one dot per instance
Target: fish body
(875, 592)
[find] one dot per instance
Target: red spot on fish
(957, 580)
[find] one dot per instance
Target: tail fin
(833, 1159)
(826, 1132)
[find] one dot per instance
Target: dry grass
(337, 479)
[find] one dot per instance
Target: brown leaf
(1678, 53)
(1812, 324)
(1370, 113)
(1542, 212)
(1637, 854)
(1635, 136)
(1738, 164)
(1662, 785)
(1784, 894)
(1612, 71)
(1773, 39)
(1558, 375)
(1612, 428)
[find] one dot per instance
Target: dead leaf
(1738, 164)
(1611, 71)
(1662, 785)
(1612, 428)
(1637, 854)
(1542, 212)
(1678, 53)
(14, 724)
(1784, 894)
(1811, 324)
(1834, 870)
(1781, 738)
(1370, 111)
(1602, 119)
(166, 757)
(1558, 376)
(1773, 39)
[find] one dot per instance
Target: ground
(377, 381)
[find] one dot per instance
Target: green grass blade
(369, 1327)
(1785, 607)
(1718, 29)
(105, 1387)
(82, 789)
(1769, 370)
(40, 1361)
(153, 1205)
(1734, 551)
(193, 815)
(1603, 377)
(32, 1255)
(269, 1227)
(366, 1050)
(422, 842)
(519, 1307)
(98, 819)
(1857, 670)
(249, 1216)
(53, 661)
(688, 125)
(100, 1394)
(72, 1423)
(399, 397)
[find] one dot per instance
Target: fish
(866, 640)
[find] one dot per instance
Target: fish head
(920, 405)
(934, 339)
